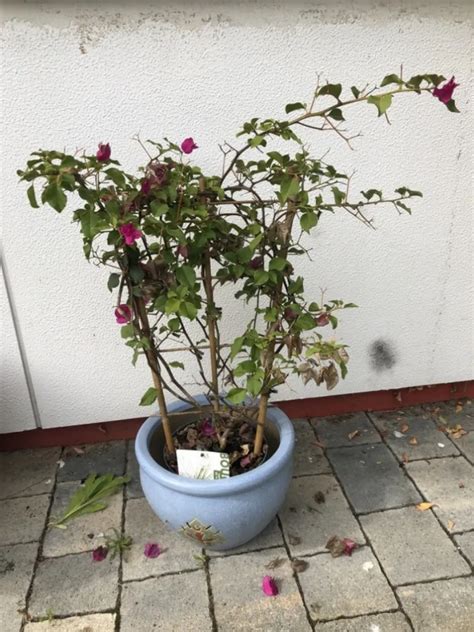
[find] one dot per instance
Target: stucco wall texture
(74, 74)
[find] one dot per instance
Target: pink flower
(103, 153)
(100, 553)
(290, 314)
(256, 263)
(130, 233)
(152, 550)
(207, 429)
(188, 145)
(269, 586)
(183, 251)
(146, 186)
(349, 546)
(123, 314)
(322, 319)
(445, 93)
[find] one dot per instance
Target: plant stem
(155, 372)
(210, 316)
(270, 352)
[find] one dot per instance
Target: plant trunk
(210, 315)
(270, 352)
(155, 372)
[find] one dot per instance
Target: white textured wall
(15, 406)
(74, 75)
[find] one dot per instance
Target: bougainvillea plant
(174, 236)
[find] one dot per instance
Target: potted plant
(174, 238)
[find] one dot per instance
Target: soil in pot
(231, 431)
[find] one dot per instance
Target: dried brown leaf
(294, 540)
(450, 525)
(276, 563)
(353, 434)
(335, 546)
(299, 566)
(404, 428)
(425, 506)
(413, 441)
(404, 457)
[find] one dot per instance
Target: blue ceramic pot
(220, 514)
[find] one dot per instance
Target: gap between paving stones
(344, 617)
(210, 595)
(142, 579)
(39, 554)
(118, 602)
(448, 533)
(369, 544)
(69, 615)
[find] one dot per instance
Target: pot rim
(220, 487)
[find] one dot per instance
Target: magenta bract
(123, 314)
(152, 550)
(269, 586)
(130, 233)
(445, 93)
(188, 145)
(100, 553)
(103, 153)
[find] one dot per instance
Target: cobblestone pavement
(356, 476)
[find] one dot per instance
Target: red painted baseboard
(296, 408)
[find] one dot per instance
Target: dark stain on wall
(382, 355)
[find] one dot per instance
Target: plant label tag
(203, 464)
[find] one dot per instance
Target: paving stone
(74, 584)
(412, 546)
(16, 570)
(97, 458)
(239, 603)
(445, 414)
(143, 526)
(388, 622)
(336, 431)
(134, 488)
(22, 519)
(27, 472)
(171, 604)
(430, 442)
(87, 623)
(85, 532)
(442, 606)
(465, 541)
(308, 458)
(270, 537)
(439, 481)
(307, 524)
(372, 478)
(345, 586)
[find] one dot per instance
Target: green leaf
(137, 273)
(254, 385)
(451, 105)
(336, 114)
(355, 91)
(186, 276)
(149, 397)
(127, 331)
(32, 196)
(388, 79)
(305, 322)
(382, 102)
(172, 305)
(236, 395)
(236, 346)
(308, 221)
(188, 309)
(288, 188)
(261, 277)
(257, 140)
(291, 107)
(117, 177)
(339, 196)
(176, 365)
(114, 280)
(334, 89)
(54, 196)
(278, 263)
(158, 208)
(88, 498)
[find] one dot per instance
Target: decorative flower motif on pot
(201, 533)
